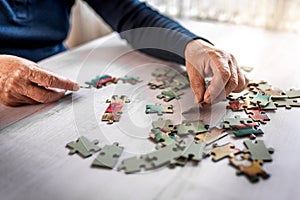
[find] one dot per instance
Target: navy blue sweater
(36, 29)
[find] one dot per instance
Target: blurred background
(281, 15)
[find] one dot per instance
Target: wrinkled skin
(204, 60)
(24, 82)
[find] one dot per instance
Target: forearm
(166, 39)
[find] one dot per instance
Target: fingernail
(76, 87)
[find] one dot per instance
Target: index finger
(221, 75)
(50, 79)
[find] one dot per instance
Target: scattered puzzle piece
(292, 93)
(237, 96)
(160, 72)
(252, 169)
(276, 93)
(264, 87)
(155, 84)
(194, 151)
(164, 125)
(116, 99)
(169, 95)
(130, 79)
(83, 147)
(190, 128)
(229, 123)
(115, 108)
(258, 150)
(236, 105)
(159, 109)
(287, 103)
(110, 118)
(261, 99)
(160, 136)
(270, 106)
(246, 68)
(108, 156)
(251, 132)
(223, 151)
(258, 115)
(256, 83)
(103, 80)
(165, 155)
(134, 164)
(212, 135)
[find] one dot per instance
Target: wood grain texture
(34, 163)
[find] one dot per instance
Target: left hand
(204, 60)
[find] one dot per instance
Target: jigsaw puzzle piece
(166, 139)
(252, 169)
(159, 109)
(165, 155)
(100, 80)
(160, 72)
(287, 103)
(194, 151)
(169, 95)
(292, 93)
(116, 99)
(230, 123)
(223, 151)
(130, 79)
(237, 96)
(108, 156)
(236, 105)
(264, 87)
(115, 108)
(134, 164)
(212, 135)
(258, 115)
(251, 132)
(111, 117)
(276, 93)
(164, 125)
(270, 106)
(83, 147)
(261, 99)
(155, 84)
(178, 84)
(192, 127)
(258, 150)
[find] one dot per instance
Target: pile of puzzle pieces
(193, 141)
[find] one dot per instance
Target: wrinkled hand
(204, 60)
(24, 82)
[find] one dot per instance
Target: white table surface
(34, 163)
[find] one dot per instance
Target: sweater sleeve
(145, 29)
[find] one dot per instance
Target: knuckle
(226, 74)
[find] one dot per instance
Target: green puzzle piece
(190, 128)
(169, 95)
(258, 150)
(83, 147)
(108, 156)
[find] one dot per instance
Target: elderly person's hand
(204, 60)
(24, 82)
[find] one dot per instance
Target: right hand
(24, 82)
